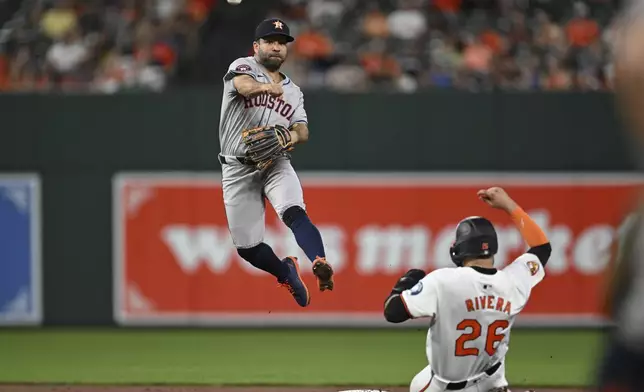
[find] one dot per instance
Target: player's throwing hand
(496, 197)
(274, 90)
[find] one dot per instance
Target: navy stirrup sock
(306, 234)
(262, 256)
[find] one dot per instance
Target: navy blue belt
(243, 160)
(455, 386)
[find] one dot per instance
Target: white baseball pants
(426, 382)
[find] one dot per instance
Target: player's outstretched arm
(395, 309)
(249, 87)
(532, 234)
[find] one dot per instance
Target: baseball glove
(408, 280)
(265, 144)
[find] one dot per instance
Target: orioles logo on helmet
(533, 266)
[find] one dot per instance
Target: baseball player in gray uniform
(257, 94)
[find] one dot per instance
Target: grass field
(271, 357)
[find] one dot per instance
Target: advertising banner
(175, 264)
(20, 264)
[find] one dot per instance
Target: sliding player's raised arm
(528, 269)
(532, 234)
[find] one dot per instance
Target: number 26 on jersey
(474, 325)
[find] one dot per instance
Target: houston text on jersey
(279, 105)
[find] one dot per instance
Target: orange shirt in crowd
(4, 73)
(379, 65)
(448, 5)
(558, 80)
(375, 25)
(312, 45)
(199, 9)
(582, 32)
(164, 54)
(492, 40)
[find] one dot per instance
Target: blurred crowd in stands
(345, 45)
(99, 45)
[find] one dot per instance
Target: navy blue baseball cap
(270, 27)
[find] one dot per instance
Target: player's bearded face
(271, 53)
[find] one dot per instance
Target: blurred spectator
(518, 32)
(198, 9)
(548, 36)
(312, 45)
(557, 76)
(59, 19)
(477, 56)
(581, 30)
(374, 24)
(448, 6)
(379, 65)
(347, 76)
(492, 40)
(66, 57)
(408, 21)
(325, 12)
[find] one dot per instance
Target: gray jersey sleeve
(241, 66)
(299, 116)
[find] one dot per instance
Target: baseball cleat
(323, 273)
(294, 283)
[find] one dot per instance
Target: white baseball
(234, 2)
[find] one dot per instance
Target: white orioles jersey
(473, 310)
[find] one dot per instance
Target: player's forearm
(529, 229)
(299, 133)
(532, 234)
(249, 87)
(395, 310)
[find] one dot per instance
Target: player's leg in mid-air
(284, 190)
(245, 212)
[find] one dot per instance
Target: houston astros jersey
(473, 310)
(239, 113)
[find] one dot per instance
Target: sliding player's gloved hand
(408, 280)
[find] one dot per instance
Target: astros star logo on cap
(278, 24)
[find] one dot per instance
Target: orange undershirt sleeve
(530, 231)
